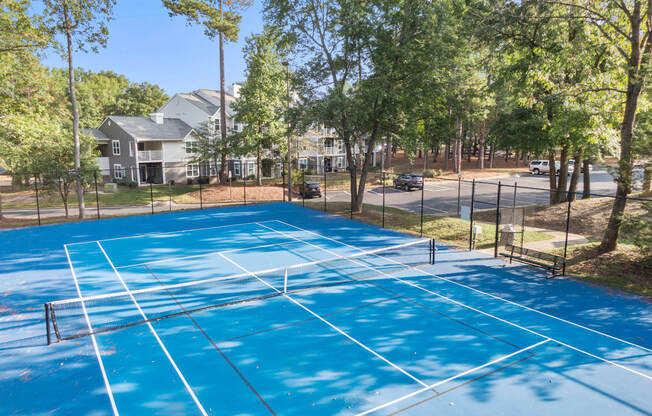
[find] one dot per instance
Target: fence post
(568, 214)
(459, 190)
(325, 208)
(201, 196)
(244, 189)
(423, 186)
(383, 179)
(38, 206)
(151, 195)
(303, 188)
(170, 193)
(497, 220)
(471, 219)
(97, 195)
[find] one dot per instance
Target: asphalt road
(441, 197)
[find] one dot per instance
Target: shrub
(203, 180)
(189, 181)
(431, 173)
(640, 230)
(129, 184)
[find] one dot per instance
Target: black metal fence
(476, 215)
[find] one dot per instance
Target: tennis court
(278, 309)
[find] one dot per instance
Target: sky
(145, 44)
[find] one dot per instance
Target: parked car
(310, 190)
(540, 167)
(408, 182)
(571, 167)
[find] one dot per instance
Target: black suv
(408, 182)
(310, 190)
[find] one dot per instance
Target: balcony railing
(333, 150)
(150, 155)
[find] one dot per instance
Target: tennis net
(79, 317)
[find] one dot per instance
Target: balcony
(333, 150)
(150, 155)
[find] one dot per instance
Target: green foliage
(431, 173)
(639, 230)
(209, 14)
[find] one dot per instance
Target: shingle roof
(143, 128)
(97, 133)
(200, 103)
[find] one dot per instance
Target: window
(192, 170)
(340, 162)
(236, 169)
(118, 171)
(191, 147)
(115, 145)
(303, 163)
(340, 146)
(250, 168)
(131, 149)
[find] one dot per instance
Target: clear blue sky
(145, 44)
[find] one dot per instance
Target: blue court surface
(282, 310)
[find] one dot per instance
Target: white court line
(169, 232)
(158, 339)
(210, 253)
(439, 383)
(326, 322)
(90, 329)
(482, 312)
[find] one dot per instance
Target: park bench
(554, 264)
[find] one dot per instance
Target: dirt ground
(228, 194)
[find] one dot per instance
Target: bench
(555, 264)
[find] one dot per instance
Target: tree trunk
(75, 113)
(435, 153)
(575, 177)
(223, 177)
(492, 156)
(447, 154)
(586, 191)
(388, 158)
(554, 195)
(481, 145)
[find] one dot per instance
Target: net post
(497, 221)
(285, 281)
(471, 218)
(47, 323)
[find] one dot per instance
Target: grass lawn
(446, 229)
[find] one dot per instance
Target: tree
(209, 150)
(262, 97)
(140, 100)
(84, 25)
(216, 23)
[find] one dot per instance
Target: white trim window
(192, 170)
(303, 163)
(340, 162)
(118, 171)
(131, 149)
(236, 168)
(251, 168)
(115, 146)
(191, 147)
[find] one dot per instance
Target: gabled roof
(144, 129)
(204, 105)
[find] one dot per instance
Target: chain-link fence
(497, 217)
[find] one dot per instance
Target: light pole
(288, 160)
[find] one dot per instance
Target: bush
(251, 177)
(640, 229)
(129, 184)
(431, 173)
(203, 180)
(189, 181)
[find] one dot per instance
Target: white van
(540, 167)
